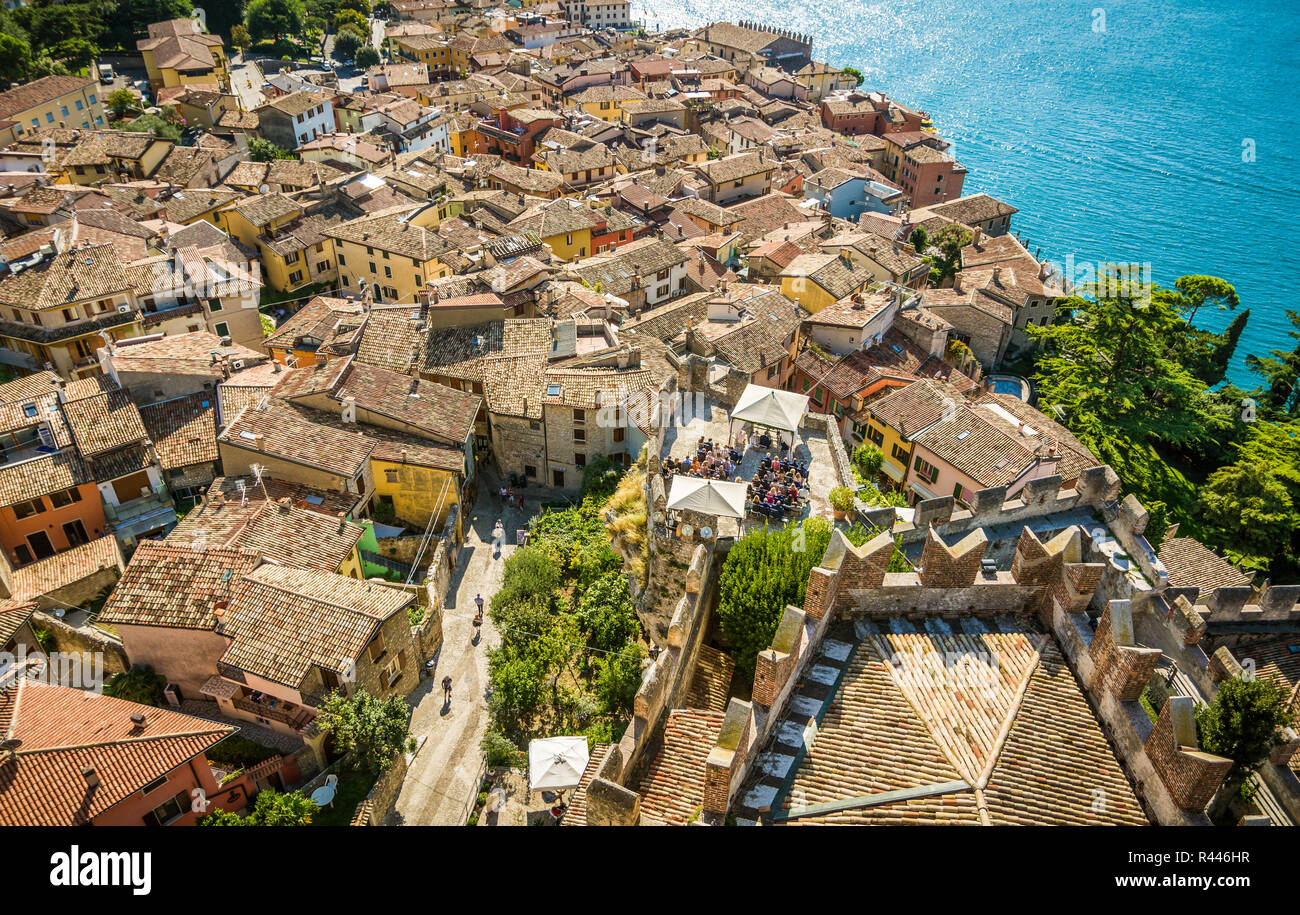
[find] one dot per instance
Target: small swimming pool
(1010, 384)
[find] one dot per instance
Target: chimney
(91, 776)
(979, 237)
(260, 442)
(997, 276)
(138, 719)
(956, 281)
(343, 521)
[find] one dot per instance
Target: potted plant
(841, 501)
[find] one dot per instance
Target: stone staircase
(811, 697)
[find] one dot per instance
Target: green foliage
(530, 575)
(15, 58)
(131, 19)
(47, 26)
(855, 73)
(518, 688)
(415, 615)
(841, 498)
(576, 540)
(1243, 723)
(237, 752)
(617, 678)
(239, 37)
(344, 19)
(1251, 508)
(139, 684)
(498, 749)
(370, 730)
(45, 639)
(275, 19)
(1281, 372)
(947, 244)
(270, 808)
(151, 123)
(765, 571)
(367, 57)
(123, 101)
(1157, 522)
(600, 479)
(606, 614)
(260, 150)
(868, 460)
(347, 42)
(920, 239)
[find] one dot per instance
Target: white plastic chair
(331, 780)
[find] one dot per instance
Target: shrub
(606, 614)
(237, 752)
(498, 749)
(868, 459)
(139, 684)
(369, 729)
(841, 498)
(1243, 723)
(530, 574)
(764, 572)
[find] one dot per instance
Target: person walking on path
(446, 690)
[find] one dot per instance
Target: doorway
(41, 545)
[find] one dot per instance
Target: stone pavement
(443, 779)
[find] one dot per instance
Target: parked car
(106, 74)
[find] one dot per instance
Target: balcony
(492, 130)
(139, 516)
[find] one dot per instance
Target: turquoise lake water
(1161, 133)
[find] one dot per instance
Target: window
(222, 329)
(342, 260)
(390, 474)
(169, 811)
(377, 648)
(418, 280)
(372, 267)
(295, 277)
(64, 497)
(899, 453)
(388, 271)
(875, 435)
(27, 509)
(530, 471)
(80, 106)
(925, 470)
(393, 670)
(579, 435)
(154, 785)
(580, 459)
(619, 434)
(214, 305)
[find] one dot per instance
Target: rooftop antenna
(258, 469)
(243, 490)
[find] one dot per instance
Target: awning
(708, 497)
(771, 408)
(893, 471)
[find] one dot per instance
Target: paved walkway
(443, 780)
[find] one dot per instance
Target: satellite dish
(706, 533)
(59, 612)
(686, 530)
(264, 189)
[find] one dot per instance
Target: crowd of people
(779, 485)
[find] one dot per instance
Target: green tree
(618, 677)
(345, 19)
(77, 53)
(868, 459)
(360, 6)
(347, 43)
(15, 59)
(1221, 351)
(606, 614)
(765, 571)
(947, 243)
(530, 575)
(152, 123)
(498, 749)
(855, 73)
(920, 239)
(1281, 371)
(518, 681)
(140, 684)
(240, 38)
(1192, 293)
(1243, 723)
(260, 150)
(131, 18)
(367, 57)
(1251, 507)
(270, 808)
(369, 729)
(122, 101)
(275, 19)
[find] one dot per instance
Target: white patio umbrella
(556, 762)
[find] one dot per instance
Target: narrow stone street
(442, 782)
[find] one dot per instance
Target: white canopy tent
(770, 408)
(708, 497)
(556, 763)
